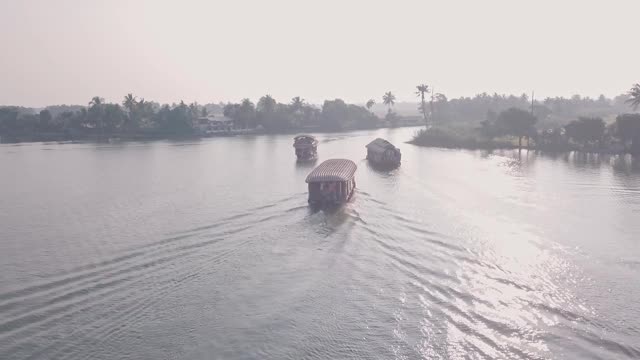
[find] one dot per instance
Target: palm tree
(297, 103)
(193, 109)
(370, 104)
(144, 107)
(95, 106)
(423, 89)
(144, 110)
(634, 96)
(297, 109)
(96, 101)
(129, 102)
(389, 99)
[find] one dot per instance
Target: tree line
(333, 115)
(100, 118)
(586, 133)
(575, 118)
(136, 116)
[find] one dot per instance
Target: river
(207, 250)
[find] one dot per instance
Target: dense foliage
(137, 117)
(555, 123)
(589, 134)
(550, 111)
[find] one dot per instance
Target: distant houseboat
(306, 147)
(332, 182)
(381, 152)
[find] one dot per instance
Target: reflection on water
(306, 164)
(207, 248)
(383, 170)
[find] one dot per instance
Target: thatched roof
(381, 145)
(333, 170)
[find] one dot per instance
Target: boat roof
(333, 170)
(304, 136)
(381, 145)
(302, 141)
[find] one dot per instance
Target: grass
(458, 139)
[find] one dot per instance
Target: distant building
(212, 124)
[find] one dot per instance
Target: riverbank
(442, 137)
(142, 136)
(157, 135)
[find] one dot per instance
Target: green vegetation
(545, 125)
(135, 118)
(139, 119)
(447, 137)
(483, 121)
(634, 96)
(370, 104)
(627, 129)
(391, 118)
(588, 134)
(389, 100)
(421, 90)
(511, 122)
(337, 115)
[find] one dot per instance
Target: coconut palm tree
(423, 89)
(143, 110)
(370, 104)
(144, 107)
(129, 102)
(194, 110)
(96, 101)
(634, 96)
(389, 99)
(95, 111)
(297, 103)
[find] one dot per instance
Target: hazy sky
(66, 51)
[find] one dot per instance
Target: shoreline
(524, 148)
(448, 139)
(549, 150)
(106, 138)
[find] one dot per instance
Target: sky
(67, 51)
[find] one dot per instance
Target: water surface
(207, 249)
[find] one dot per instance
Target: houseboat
(332, 182)
(383, 153)
(306, 147)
